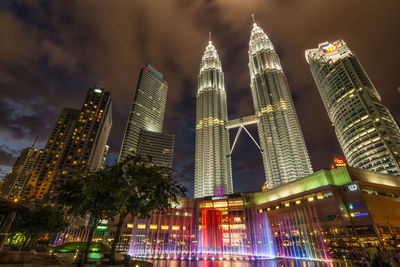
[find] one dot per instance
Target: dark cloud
(4, 171)
(7, 155)
(55, 50)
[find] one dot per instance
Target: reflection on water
(259, 263)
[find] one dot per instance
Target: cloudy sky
(51, 52)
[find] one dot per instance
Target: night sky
(51, 52)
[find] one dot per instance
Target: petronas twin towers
(282, 144)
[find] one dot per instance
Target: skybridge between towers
(241, 123)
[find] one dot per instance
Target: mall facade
(320, 216)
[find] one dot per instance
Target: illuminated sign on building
(329, 48)
(340, 163)
(219, 198)
(352, 187)
(352, 206)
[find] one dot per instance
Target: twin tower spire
(282, 144)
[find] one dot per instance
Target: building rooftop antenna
(34, 142)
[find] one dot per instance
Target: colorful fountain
(223, 228)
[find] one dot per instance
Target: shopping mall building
(319, 216)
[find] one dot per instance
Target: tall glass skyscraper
(147, 111)
(283, 148)
(367, 132)
(157, 148)
(212, 161)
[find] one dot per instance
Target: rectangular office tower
(367, 132)
(14, 183)
(282, 143)
(77, 142)
(147, 111)
(157, 148)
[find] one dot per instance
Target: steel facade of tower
(212, 159)
(148, 108)
(282, 143)
(367, 132)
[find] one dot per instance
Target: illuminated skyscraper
(148, 108)
(367, 132)
(78, 141)
(158, 148)
(283, 148)
(14, 183)
(212, 162)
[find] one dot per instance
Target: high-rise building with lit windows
(77, 143)
(157, 148)
(367, 132)
(14, 183)
(212, 159)
(148, 108)
(282, 143)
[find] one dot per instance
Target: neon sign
(340, 163)
(361, 214)
(329, 48)
(352, 187)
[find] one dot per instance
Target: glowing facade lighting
(212, 155)
(285, 155)
(366, 131)
(329, 48)
(147, 111)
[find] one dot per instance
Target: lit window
(153, 226)
(287, 204)
(298, 202)
(129, 225)
(141, 226)
(175, 228)
(310, 199)
(164, 227)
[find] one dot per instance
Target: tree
(88, 194)
(140, 188)
(37, 220)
